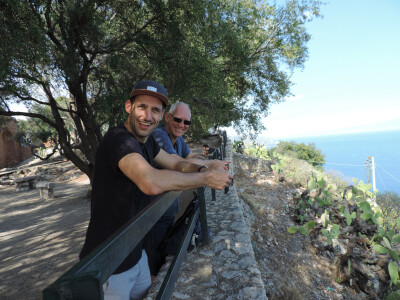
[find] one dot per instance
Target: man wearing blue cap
(124, 181)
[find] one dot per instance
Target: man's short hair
(173, 107)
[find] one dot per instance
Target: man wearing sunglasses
(169, 137)
(125, 180)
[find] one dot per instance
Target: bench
(46, 189)
(26, 183)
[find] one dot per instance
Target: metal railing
(86, 278)
(219, 153)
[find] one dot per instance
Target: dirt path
(40, 240)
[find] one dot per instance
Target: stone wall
(225, 269)
(11, 153)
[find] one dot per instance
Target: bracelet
(202, 168)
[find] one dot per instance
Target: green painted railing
(86, 278)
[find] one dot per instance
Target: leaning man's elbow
(152, 190)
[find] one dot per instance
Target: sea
(347, 156)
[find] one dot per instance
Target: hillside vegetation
(356, 230)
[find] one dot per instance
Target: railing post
(214, 156)
(168, 284)
(170, 278)
(225, 140)
(203, 215)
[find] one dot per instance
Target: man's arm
(192, 155)
(152, 181)
(211, 163)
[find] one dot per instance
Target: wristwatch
(205, 167)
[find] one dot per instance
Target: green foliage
(332, 232)
(331, 210)
(257, 150)
(279, 164)
(302, 229)
(321, 195)
(363, 190)
(349, 265)
(389, 202)
(211, 54)
(350, 217)
(34, 131)
(3, 120)
(302, 151)
(322, 189)
(393, 296)
(383, 242)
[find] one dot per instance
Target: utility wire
(318, 162)
(387, 173)
(381, 180)
(350, 165)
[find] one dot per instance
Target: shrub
(389, 203)
(256, 150)
(302, 151)
(297, 171)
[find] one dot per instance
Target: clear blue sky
(351, 80)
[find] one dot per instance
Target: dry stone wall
(226, 268)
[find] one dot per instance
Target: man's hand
(218, 179)
(217, 164)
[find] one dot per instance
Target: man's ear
(128, 106)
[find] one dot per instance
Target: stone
(340, 246)
(179, 295)
(227, 254)
(252, 293)
(46, 189)
(26, 183)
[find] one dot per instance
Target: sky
(351, 81)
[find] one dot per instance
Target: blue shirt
(180, 148)
(161, 136)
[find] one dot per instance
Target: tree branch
(28, 114)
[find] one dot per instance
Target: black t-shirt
(115, 198)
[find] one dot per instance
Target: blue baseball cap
(151, 88)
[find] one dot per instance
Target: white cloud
(367, 119)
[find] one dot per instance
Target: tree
(227, 59)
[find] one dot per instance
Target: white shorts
(129, 285)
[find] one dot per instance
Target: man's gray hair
(173, 107)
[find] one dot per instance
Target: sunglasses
(179, 120)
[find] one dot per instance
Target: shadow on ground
(40, 240)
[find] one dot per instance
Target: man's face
(174, 128)
(144, 115)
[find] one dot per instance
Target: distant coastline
(347, 154)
